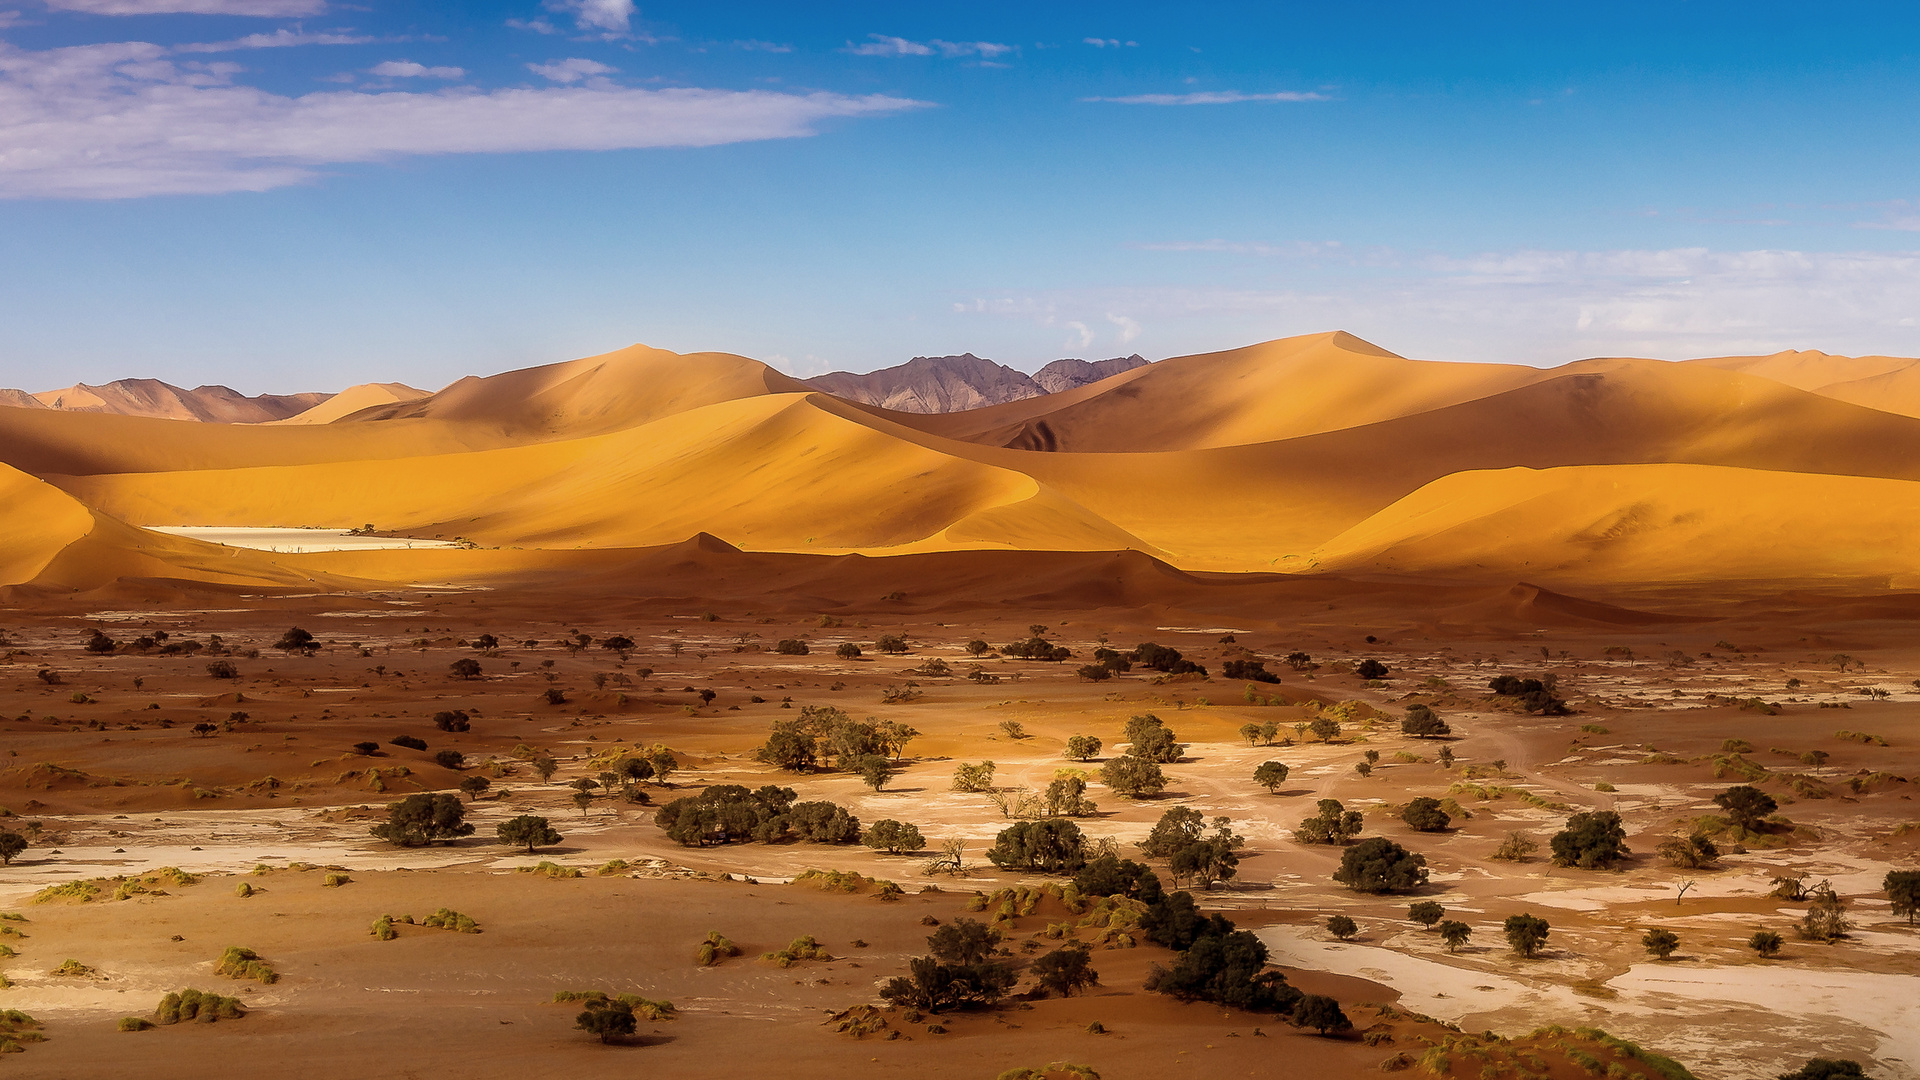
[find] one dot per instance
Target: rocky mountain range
(945, 384)
(151, 397)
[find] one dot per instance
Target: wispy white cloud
(279, 39)
(279, 9)
(1209, 97)
(1082, 337)
(884, 45)
(407, 69)
(126, 120)
(603, 16)
(1899, 215)
(1129, 328)
(1110, 43)
(1533, 306)
(569, 71)
(763, 46)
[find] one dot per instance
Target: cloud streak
(279, 39)
(1533, 306)
(407, 69)
(275, 9)
(884, 45)
(1208, 97)
(125, 120)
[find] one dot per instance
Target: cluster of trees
(1424, 814)
(1162, 658)
(964, 966)
(1083, 747)
(1264, 733)
(1536, 695)
(1047, 846)
(1137, 772)
(1036, 647)
(1217, 962)
(730, 813)
(1248, 671)
(820, 733)
(1194, 855)
(1371, 669)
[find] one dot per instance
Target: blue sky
(303, 194)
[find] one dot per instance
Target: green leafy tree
(546, 767)
(1593, 839)
(297, 640)
(791, 746)
(1660, 942)
(608, 1018)
(1176, 828)
(823, 823)
(464, 668)
(875, 771)
(847, 651)
(1325, 728)
(1693, 852)
(1083, 747)
(959, 970)
(1066, 795)
(527, 831)
(11, 845)
(1370, 669)
(1426, 913)
(1270, 775)
(1333, 824)
(893, 837)
(1133, 777)
(1746, 806)
(1526, 933)
(1321, 1013)
(1766, 943)
(419, 820)
(1423, 723)
(1455, 934)
(1378, 865)
(474, 786)
(618, 643)
(1066, 970)
(1049, 846)
(1424, 814)
(1903, 888)
(973, 777)
(1149, 739)
(1219, 964)
(1342, 927)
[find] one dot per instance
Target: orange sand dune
(595, 395)
(1274, 390)
(353, 399)
(1641, 523)
(1888, 383)
(771, 473)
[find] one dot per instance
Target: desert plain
(1706, 568)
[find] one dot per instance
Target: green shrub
(239, 963)
(334, 881)
(644, 1008)
(715, 949)
(383, 928)
(803, 948)
(135, 1023)
(74, 968)
(194, 1005)
(448, 919)
(551, 870)
(243, 890)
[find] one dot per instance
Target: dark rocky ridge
(944, 384)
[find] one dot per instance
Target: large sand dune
(1300, 456)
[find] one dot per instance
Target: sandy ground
(145, 792)
(296, 541)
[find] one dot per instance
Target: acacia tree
(1455, 934)
(1083, 747)
(1423, 723)
(1334, 824)
(1424, 814)
(893, 837)
(1903, 888)
(1526, 933)
(1066, 969)
(1133, 777)
(1746, 806)
(1321, 1013)
(1660, 942)
(11, 845)
(1270, 775)
(1426, 913)
(1593, 839)
(419, 820)
(528, 831)
(1379, 865)
(609, 1018)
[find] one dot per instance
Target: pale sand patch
(293, 541)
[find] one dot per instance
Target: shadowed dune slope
(1640, 523)
(770, 473)
(40, 520)
(1888, 383)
